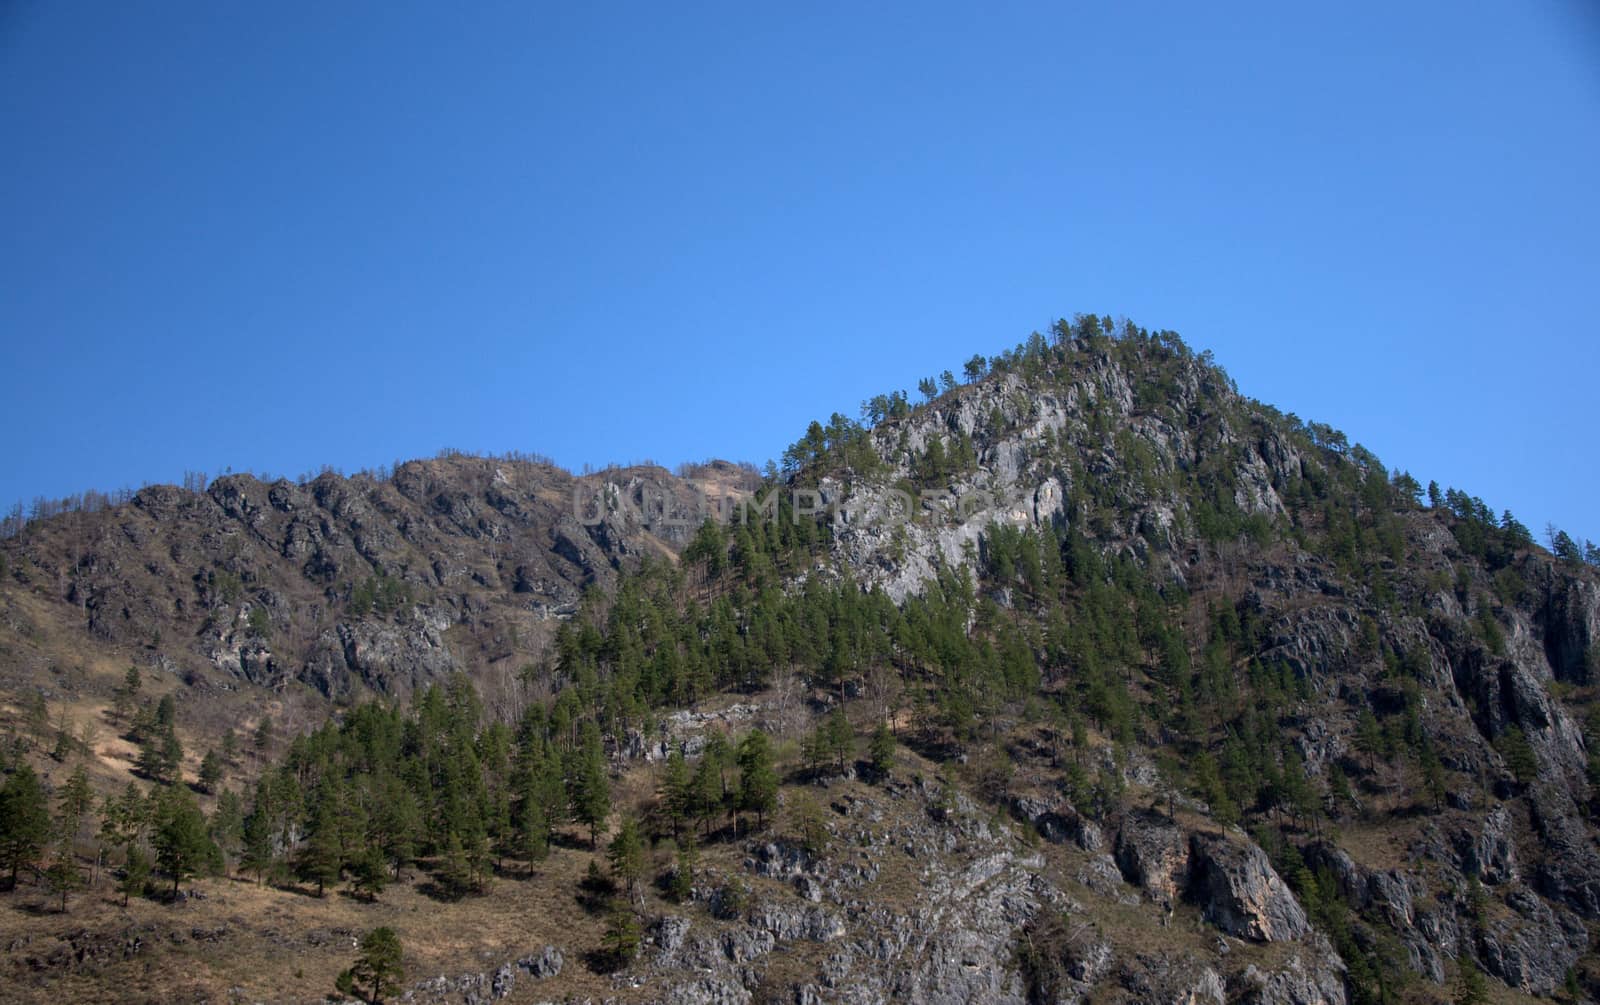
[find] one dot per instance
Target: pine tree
(135, 874)
(127, 694)
(1432, 776)
(24, 821)
(63, 875)
(455, 871)
(588, 788)
(1519, 756)
(322, 858)
(257, 853)
(808, 823)
(533, 829)
(398, 822)
(706, 793)
(123, 819)
(379, 970)
(480, 860)
(881, 751)
(1471, 988)
(840, 738)
(680, 885)
(210, 771)
(182, 846)
(226, 826)
(758, 778)
(166, 713)
(74, 804)
(627, 855)
(263, 736)
(622, 935)
(369, 875)
(152, 762)
(677, 790)
(1369, 737)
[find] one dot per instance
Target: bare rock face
(1571, 621)
(1241, 893)
(1491, 854)
(1058, 822)
(1320, 982)
(1153, 853)
(1156, 978)
(1532, 948)
(1570, 871)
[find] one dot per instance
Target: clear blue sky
(274, 236)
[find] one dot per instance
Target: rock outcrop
(1153, 853)
(1239, 891)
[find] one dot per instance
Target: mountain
(344, 585)
(1086, 678)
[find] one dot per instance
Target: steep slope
(1171, 697)
(349, 585)
(1440, 668)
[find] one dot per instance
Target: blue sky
(271, 237)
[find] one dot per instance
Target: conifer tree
(840, 739)
(398, 823)
(622, 936)
(588, 788)
(24, 821)
(881, 751)
(369, 874)
(322, 858)
(680, 886)
(124, 818)
(533, 829)
(677, 791)
(63, 874)
(226, 826)
(706, 793)
(627, 855)
(135, 874)
(210, 771)
(758, 778)
(1471, 988)
(378, 971)
(182, 846)
(256, 855)
(455, 871)
(480, 860)
(73, 805)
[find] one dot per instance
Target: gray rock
(1239, 891)
(1153, 853)
(1491, 855)
(714, 989)
(503, 981)
(545, 964)
(1533, 949)
(1162, 980)
(1297, 983)
(1101, 875)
